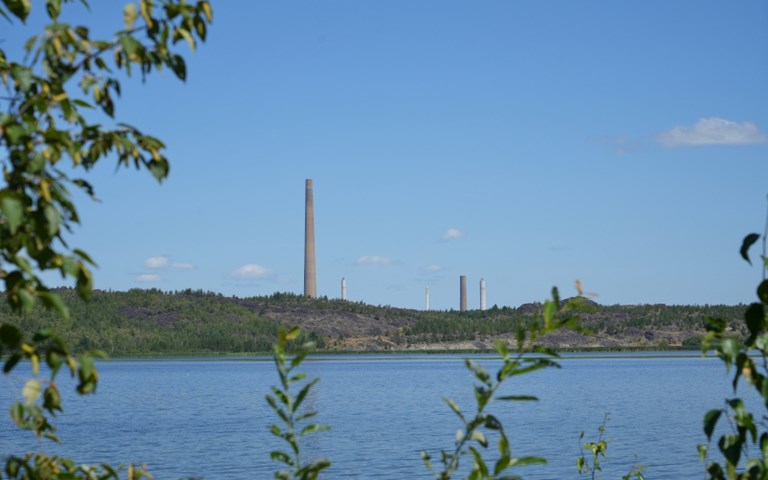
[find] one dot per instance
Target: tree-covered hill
(196, 322)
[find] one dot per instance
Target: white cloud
(713, 131)
(251, 271)
(157, 262)
(452, 234)
(182, 266)
(162, 262)
(374, 260)
(148, 278)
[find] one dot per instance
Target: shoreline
(566, 353)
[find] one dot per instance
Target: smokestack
(482, 294)
(310, 277)
(463, 293)
(427, 300)
(343, 288)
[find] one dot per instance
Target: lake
(208, 417)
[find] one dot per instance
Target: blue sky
(530, 143)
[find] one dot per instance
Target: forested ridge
(139, 322)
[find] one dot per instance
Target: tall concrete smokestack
(426, 307)
(463, 293)
(343, 288)
(310, 276)
(482, 294)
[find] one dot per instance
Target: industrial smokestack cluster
(463, 293)
(310, 272)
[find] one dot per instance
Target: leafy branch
(45, 121)
(288, 409)
(590, 466)
(472, 434)
(744, 430)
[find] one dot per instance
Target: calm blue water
(209, 418)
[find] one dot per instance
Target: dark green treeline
(139, 322)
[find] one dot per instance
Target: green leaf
(519, 398)
(522, 461)
(715, 324)
(129, 16)
(179, 67)
(281, 457)
(426, 458)
(748, 241)
(730, 348)
(19, 8)
(314, 428)
(479, 464)
(710, 421)
(52, 399)
(12, 209)
(730, 446)
(52, 219)
(292, 334)
(455, 408)
(53, 301)
(550, 308)
(480, 372)
(83, 256)
(755, 318)
(23, 77)
(303, 393)
(502, 348)
(27, 300)
(703, 451)
(14, 133)
(54, 8)
(129, 44)
(493, 423)
(11, 362)
(31, 391)
(478, 436)
(181, 32)
(82, 103)
(158, 168)
(762, 291)
(206, 8)
(10, 336)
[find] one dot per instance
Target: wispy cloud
(432, 274)
(712, 131)
(148, 278)
(251, 271)
(434, 268)
(374, 260)
(157, 262)
(452, 234)
(162, 262)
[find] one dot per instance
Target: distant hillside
(197, 322)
